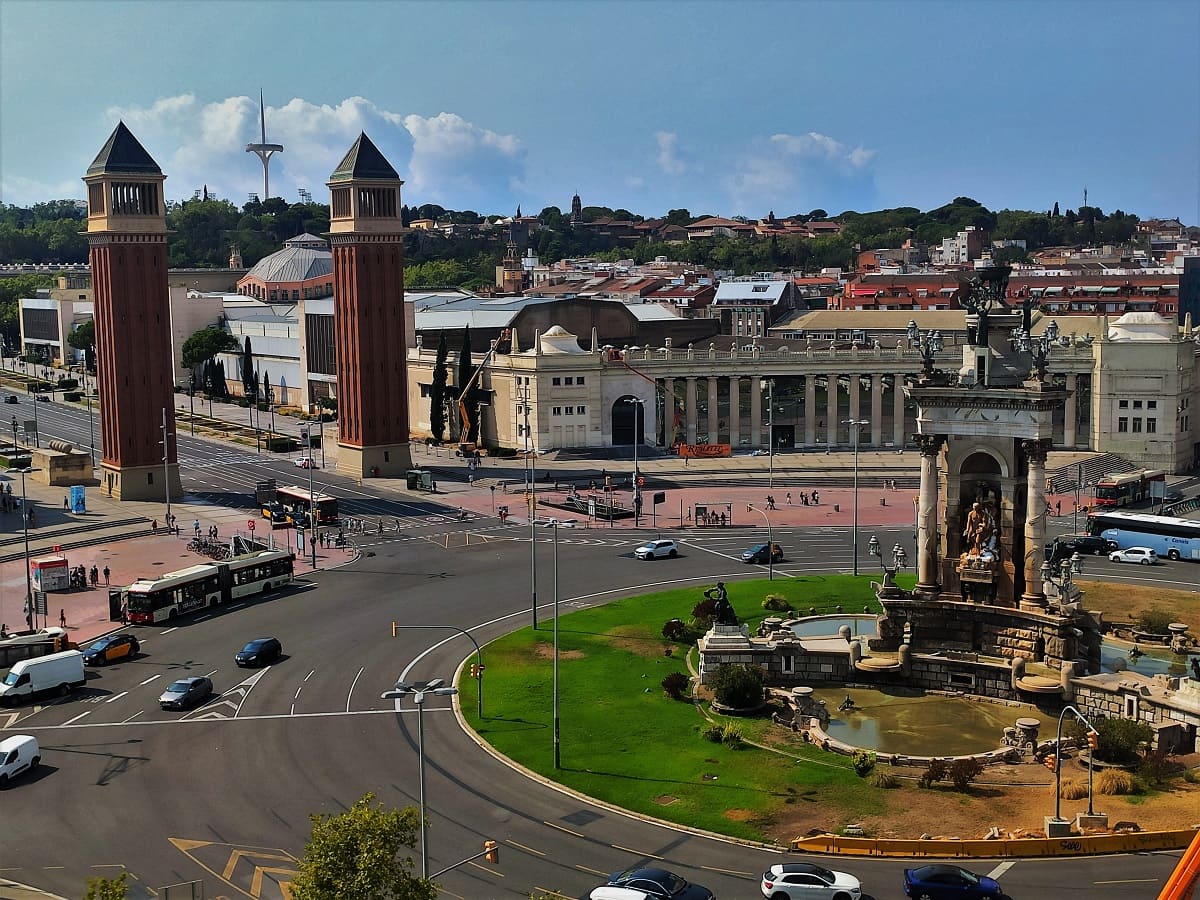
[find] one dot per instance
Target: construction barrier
(1183, 880)
(1081, 845)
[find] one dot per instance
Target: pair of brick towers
(127, 236)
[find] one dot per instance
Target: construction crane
(464, 415)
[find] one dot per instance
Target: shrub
(963, 771)
(731, 735)
(863, 762)
(776, 603)
(934, 773)
(1190, 776)
(885, 780)
(1155, 621)
(675, 684)
(1156, 767)
(72, 396)
(676, 630)
(738, 687)
(713, 732)
(1073, 789)
(703, 614)
(67, 384)
(1115, 781)
(1121, 740)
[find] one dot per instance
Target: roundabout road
(223, 793)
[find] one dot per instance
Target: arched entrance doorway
(628, 422)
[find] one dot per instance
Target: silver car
(186, 693)
(657, 549)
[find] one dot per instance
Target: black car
(186, 693)
(760, 553)
(11, 398)
(659, 884)
(42, 398)
(1083, 544)
(110, 649)
(259, 652)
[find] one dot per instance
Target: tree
(437, 391)
(355, 856)
(84, 338)
(200, 349)
(738, 687)
(100, 888)
(248, 374)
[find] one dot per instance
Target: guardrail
(1080, 845)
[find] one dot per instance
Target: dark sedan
(186, 693)
(658, 884)
(761, 553)
(110, 649)
(941, 882)
(259, 652)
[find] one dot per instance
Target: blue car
(941, 882)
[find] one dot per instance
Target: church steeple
(576, 210)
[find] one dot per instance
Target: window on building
(1152, 426)
(557, 411)
(1151, 404)
(1122, 404)
(579, 411)
(1122, 425)
(568, 380)
(1137, 404)
(567, 411)
(579, 380)
(1137, 424)
(556, 382)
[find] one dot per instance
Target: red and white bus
(1132, 487)
(199, 587)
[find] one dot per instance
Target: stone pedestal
(1058, 828)
(726, 639)
(1094, 822)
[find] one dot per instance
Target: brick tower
(127, 237)
(371, 334)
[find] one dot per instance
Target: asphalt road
(223, 793)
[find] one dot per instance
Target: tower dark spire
(123, 153)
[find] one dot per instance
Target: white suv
(1143, 555)
(656, 549)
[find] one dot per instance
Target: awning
(949, 290)
(863, 292)
(1052, 291)
(1110, 290)
(1091, 288)
(1149, 288)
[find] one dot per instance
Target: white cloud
(443, 158)
(635, 182)
(668, 153)
(792, 171)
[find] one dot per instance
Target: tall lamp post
(639, 418)
(91, 421)
(419, 691)
(29, 611)
(166, 436)
(771, 431)
(750, 507)
(531, 503)
(312, 506)
(855, 425)
(554, 713)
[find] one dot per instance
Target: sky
(727, 108)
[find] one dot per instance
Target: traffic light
(1093, 739)
(491, 851)
(474, 670)
(1051, 762)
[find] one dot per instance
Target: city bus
(150, 600)
(296, 501)
(1132, 487)
(1168, 537)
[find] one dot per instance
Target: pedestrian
(95, 574)
(154, 526)
(1058, 507)
(196, 527)
(816, 499)
(106, 574)
(432, 486)
(124, 612)
(65, 504)
(788, 499)
(62, 618)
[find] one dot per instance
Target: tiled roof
(123, 153)
(363, 161)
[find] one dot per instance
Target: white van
(18, 754)
(54, 672)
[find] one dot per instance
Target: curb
(14, 890)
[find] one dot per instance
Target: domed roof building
(302, 270)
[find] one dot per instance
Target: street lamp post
(770, 431)
(396, 626)
(166, 436)
(419, 691)
(91, 421)
(856, 425)
(750, 507)
(312, 506)
(14, 430)
(531, 504)
(554, 713)
(639, 418)
(30, 615)
(191, 401)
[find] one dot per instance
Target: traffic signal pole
(1093, 741)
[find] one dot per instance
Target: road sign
(250, 524)
(39, 600)
(659, 497)
(641, 481)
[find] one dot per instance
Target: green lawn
(624, 741)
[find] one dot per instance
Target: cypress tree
(437, 391)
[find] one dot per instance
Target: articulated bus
(296, 501)
(198, 587)
(1132, 487)
(1168, 537)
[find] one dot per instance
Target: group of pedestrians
(806, 499)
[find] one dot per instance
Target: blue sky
(720, 107)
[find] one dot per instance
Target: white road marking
(309, 675)
(78, 717)
(350, 693)
(202, 618)
(298, 690)
(169, 630)
(212, 673)
(116, 697)
(150, 679)
(262, 718)
(1002, 868)
(134, 716)
(237, 606)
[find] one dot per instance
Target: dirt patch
(665, 800)
(739, 815)
(1125, 602)
(636, 643)
(546, 651)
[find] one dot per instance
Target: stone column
(735, 412)
(856, 401)
(876, 410)
(898, 437)
(1034, 598)
(668, 385)
(1070, 414)
(714, 435)
(690, 410)
(930, 446)
(810, 410)
(831, 411)
(756, 424)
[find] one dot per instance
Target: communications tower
(262, 149)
